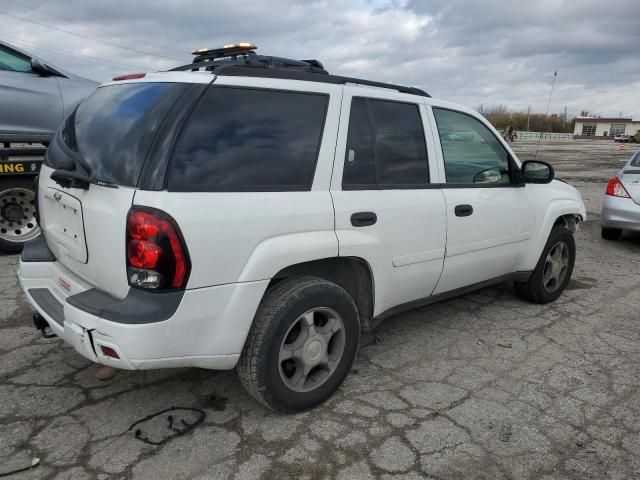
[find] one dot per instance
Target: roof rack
(242, 60)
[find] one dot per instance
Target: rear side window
(635, 162)
(385, 146)
(245, 139)
(111, 131)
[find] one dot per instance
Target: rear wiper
(68, 179)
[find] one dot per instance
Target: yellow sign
(11, 167)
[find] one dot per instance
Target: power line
(90, 58)
(93, 28)
(88, 37)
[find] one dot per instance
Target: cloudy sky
(470, 51)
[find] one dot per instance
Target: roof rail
(241, 60)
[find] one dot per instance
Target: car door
(489, 212)
(387, 211)
(30, 103)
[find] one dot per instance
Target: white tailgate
(91, 241)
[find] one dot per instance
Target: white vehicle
(256, 212)
(622, 138)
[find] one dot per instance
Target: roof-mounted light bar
(241, 48)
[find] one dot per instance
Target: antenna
(546, 114)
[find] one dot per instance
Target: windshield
(111, 131)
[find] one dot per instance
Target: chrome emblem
(57, 196)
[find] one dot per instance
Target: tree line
(501, 118)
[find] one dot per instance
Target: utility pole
(528, 110)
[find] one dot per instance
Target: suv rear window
(112, 129)
(248, 139)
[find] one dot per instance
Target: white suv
(259, 213)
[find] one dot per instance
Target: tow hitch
(41, 324)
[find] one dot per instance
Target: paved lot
(484, 386)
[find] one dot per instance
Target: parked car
(34, 98)
(621, 204)
(621, 138)
(257, 212)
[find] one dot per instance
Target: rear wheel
(553, 271)
(17, 213)
(611, 233)
(301, 346)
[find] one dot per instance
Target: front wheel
(301, 346)
(17, 213)
(553, 271)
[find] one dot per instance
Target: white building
(600, 128)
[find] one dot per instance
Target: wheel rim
(311, 350)
(556, 266)
(17, 215)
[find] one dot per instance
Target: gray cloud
(489, 52)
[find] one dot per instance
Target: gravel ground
(480, 387)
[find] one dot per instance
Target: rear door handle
(463, 210)
(363, 219)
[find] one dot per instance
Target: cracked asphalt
(484, 386)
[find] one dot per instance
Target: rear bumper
(207, 329)
(621, 213)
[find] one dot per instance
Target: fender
(275, 253)
(554, 209)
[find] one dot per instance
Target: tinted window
(111, 131)
(635, 161)
(13, 62)
(359, 165)
(241, 139)
(472, 153)
(385, 145)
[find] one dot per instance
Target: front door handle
(463, 210)
(363, 219)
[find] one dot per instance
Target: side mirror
(534, 171)
(40, 68)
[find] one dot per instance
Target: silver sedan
(621, 204)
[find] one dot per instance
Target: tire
(278, 329)
(611, 233)
(17, 213)
(539, 288)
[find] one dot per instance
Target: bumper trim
(47, 302)
(138, 307)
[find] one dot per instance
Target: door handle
(463, 210)
(363, 219)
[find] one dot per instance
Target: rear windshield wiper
(68, 179)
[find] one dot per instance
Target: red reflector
(129, 76)
(143, 254)
(616, 189)
(109, 352)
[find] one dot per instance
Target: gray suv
(34, 98)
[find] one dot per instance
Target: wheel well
(569, 221)
(352, 274)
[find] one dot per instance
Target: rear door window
(249, 139)
(386, 146)
(111, 131)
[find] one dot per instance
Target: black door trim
(422, 302)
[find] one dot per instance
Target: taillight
(157, 257)
(129, 76)
(616, 189)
